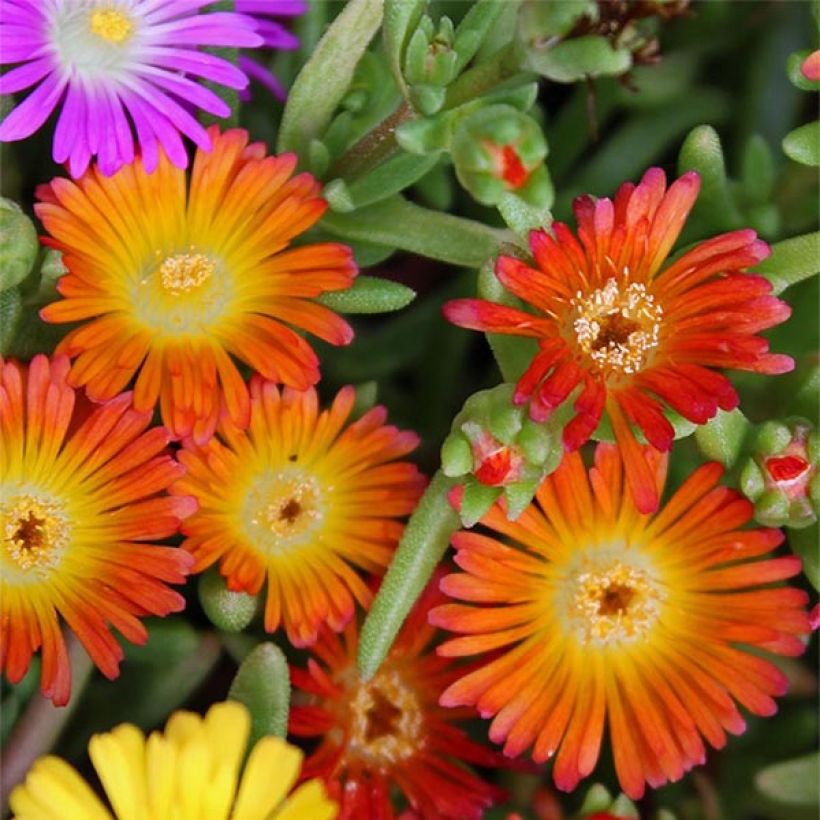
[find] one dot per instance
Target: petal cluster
(596, 615)
(195, 768)
(302, 500)
(170, 291)
(81, 500)
(621, 329)
(116, 69)
(390, 732)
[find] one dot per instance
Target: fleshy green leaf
(573, 60)
(400, 19)
(326, 77)
(422, 547)
(262, 683)
(792, 261)
(228, 610)
(18, 244)
(369, 294)
(473, 28)
(722, 437)
(804, 543)
(397, 223)
(803, 144)
(794, 782)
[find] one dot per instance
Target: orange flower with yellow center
(172, 279)
(597, 614)
(303, 499)
(79, 491)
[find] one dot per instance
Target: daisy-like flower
(618, 331)
(598, 615)
(173, 278)
(79, 494)
(390, 732)
(193, 769)
(274, 35)
(117, 65)
(302, 499)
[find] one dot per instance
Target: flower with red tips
(80, 495)
(169, 293)
(600, 615)
(390, 732)
(619, 331)
(303, 500)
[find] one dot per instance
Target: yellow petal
(228, 726)
(161, 775)
(271, 770)
(182, 727)
(119, 758)
(308, 802)
(54, 791)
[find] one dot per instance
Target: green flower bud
(11, 312)
(752, 481)
(771, 437)
(430, 60)
(772, 508)
(496, 150)
(18, 244)
(456, 456)
(227, 610)
(478, 498)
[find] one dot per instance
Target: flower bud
(18, 244)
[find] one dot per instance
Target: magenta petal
(27, 117)
(25, 75)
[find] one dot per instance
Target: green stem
(421, 549)
(38, 729)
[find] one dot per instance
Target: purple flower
(114, 66)
(275, 35)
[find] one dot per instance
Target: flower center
(615, 328)
(386, 725)
(35, 531)
(614, 603)
(282, 510)
(185, 272)
(113, 26)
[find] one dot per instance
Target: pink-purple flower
(118, 69)
(275, 35)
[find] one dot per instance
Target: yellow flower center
(35, 531)
(283, 510)
(386, 720)
(617, 328)
(185, 272)
(111, 25)
(614, 603)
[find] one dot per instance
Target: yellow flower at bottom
(191, 771)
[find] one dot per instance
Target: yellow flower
(191, 771)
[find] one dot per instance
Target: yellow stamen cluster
(185, 272)
(387, 722)
(616, 328)
(35, 531)
(613, 604)
(284, 509)
(111, 25)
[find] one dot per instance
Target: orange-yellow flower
(303, 499)
(597, 614)
(172, 279)
(80, 490)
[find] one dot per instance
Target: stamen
(617, 329)
(386, 720)
(35, 531)
(111, 25)
(615, 603)
(185, 272)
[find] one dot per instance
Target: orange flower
(390, 732)
(176, 277)
(79, 491)
(620, 329)
(302, 500)
(600, 615)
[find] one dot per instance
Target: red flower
(390, 731)
(618, 331)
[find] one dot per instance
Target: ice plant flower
(598, 614)
(621, 330)
(274, 35)
(193, 769)
(80, 495)
(390, 732)
(303, 499)
(115, 65)
(168, 292)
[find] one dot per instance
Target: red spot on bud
(508, 165)
(496, 465)
(786, 468)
